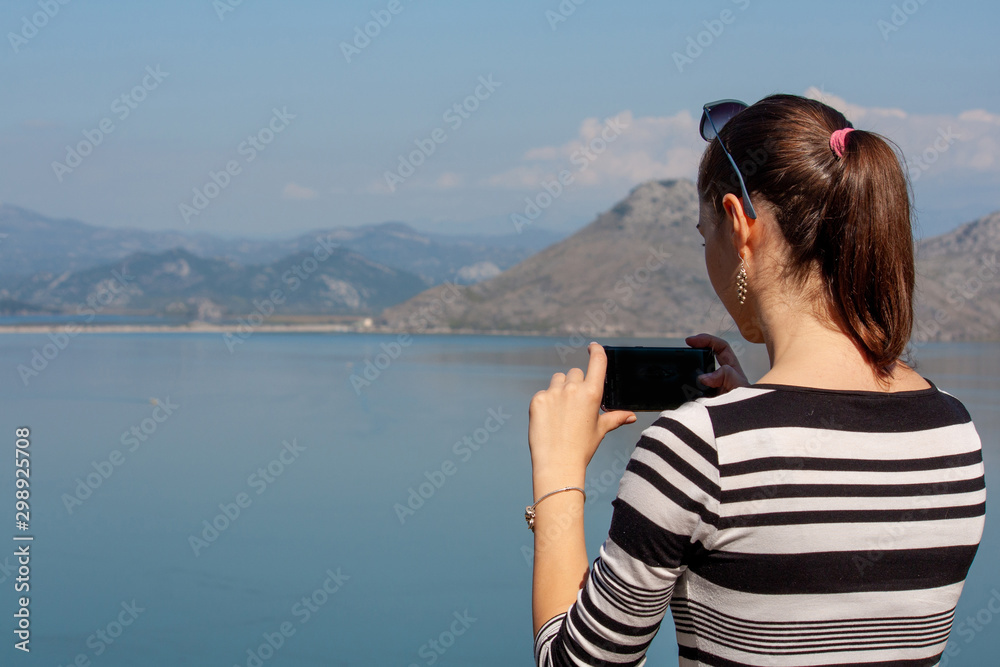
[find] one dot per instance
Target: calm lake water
(196, 506)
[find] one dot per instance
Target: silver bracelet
(529, 511)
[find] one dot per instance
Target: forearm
(565, 428)
(560, 563)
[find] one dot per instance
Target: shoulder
(707, 418)
(768, 406)
(698, 412)
(688, 433)
(953, 405)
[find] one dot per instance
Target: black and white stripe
(786, 526)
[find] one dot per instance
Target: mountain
(31, 243)
(958, 284)
(13, 307)
(439, 257)
(327, 280)
(637, 269)
(596, 281)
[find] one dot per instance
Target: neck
(805, 349)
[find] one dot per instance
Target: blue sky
(920, 72)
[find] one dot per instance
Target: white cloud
(644, 148)
(660, 147)
(858, 115)
(980, 115)
(377, 186)
(933, 144)
(296, 191)
(448, 180)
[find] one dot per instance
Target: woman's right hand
(730, 374)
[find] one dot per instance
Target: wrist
(545, 479)
(561, 508)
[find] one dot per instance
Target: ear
(739, 225)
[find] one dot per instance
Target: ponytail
(866, 246)
(841, 199)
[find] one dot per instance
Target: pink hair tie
(838, 140)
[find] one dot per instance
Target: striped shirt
(786, 526)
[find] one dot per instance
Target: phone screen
(655, 378)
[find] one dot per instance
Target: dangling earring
(741, 282)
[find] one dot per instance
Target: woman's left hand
(565, 425)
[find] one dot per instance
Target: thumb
(713, 379)
(609, 421)
(724, 379)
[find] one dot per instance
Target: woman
(827, 514)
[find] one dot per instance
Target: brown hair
(848, 217)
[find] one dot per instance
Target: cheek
(715, 266)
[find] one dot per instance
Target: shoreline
(73, 329)
(204, 327)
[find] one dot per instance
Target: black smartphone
(643, 379)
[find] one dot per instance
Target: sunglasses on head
(714, 116)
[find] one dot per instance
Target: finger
(717, 345)
(609, 421)
(698, 340)
(574, 375)
(721, 347)
(724, 378)
(732, 379)
(597, 367)
(558, 380)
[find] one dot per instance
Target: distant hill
(180, 284)
(32, 243)
(14, 307)
(593, 282)
(463, 259)
(637, 269)
(958, 285)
